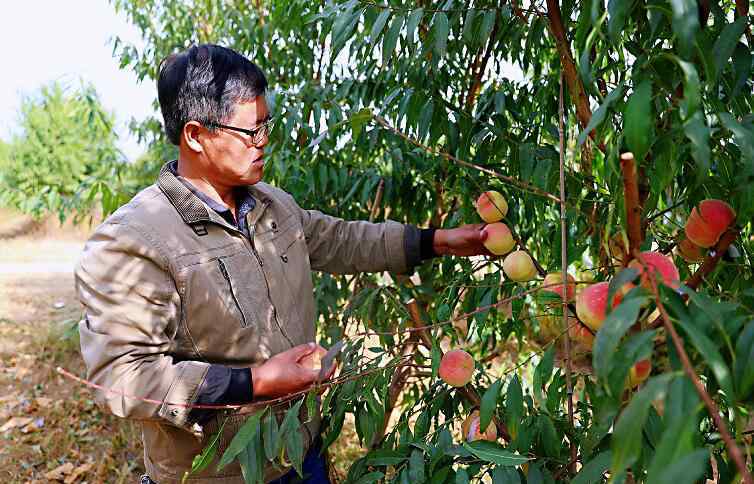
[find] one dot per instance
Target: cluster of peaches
(703, 229)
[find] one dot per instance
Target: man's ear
(193, 134)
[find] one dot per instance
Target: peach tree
(604, 126)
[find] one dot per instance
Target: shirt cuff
(223, 385)
(426, 244)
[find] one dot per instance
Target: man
(199, 290)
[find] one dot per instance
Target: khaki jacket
(169, 287)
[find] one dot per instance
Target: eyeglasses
(257, 135)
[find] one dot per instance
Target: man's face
(231, 157)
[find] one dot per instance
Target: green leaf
(207, 455)
(488, 405)
(626, 440)
(594, 469)
(625, 276)
(616, 324)
(691, 90)
(272, 440)
(514, 403)
(440, 29)
(378, 25)
(744, 137)
(505, 475)
(599, 115)
(370, 478)
(385, 457)
(726, 43)
(685, 24)
(543, 371)
(742, 58)
(488, 22)
(391, 38)
(619, 11)
(416, 466)
(462, 477)
(359, 120)
(412, 23)
(639, 122)
(689, 468)
(495, 453)
(698, 133)
(294, 448)
(244, 435)
(343, 28)
(708, 350)
(743, 368)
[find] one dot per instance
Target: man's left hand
(465, 240)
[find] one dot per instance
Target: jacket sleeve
(345, 247)
(131, 317)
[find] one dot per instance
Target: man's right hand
(284, 373)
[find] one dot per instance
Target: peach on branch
(591, 303)
(499, 239)
(689, 251)
(456, 368)
(519, 267)
(557, 278)
(472, 432)
(491, 206)
(708, 221)
(638, 373)
(657, 265)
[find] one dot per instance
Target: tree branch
(632, 203)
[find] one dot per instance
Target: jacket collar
(191, 209)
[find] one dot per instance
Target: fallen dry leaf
(78, 472)
(43, 402)
(15, 422)
(59, 473)
(8, 398)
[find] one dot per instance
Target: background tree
(63, 154)
(404, 110)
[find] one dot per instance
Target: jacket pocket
(246, 319)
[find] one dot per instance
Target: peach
(689, 251)
(519, 267)
(591, 303)
(557, 278)
(491, 206)
(657, 265)
(708, 221)
(638, 373)
(471, 431)
(499, 239)
(456, 368)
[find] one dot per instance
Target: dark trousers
(315, 469)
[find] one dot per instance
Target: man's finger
(303, 350)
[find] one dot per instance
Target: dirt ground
(50, 428)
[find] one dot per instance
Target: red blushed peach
(491, 206)
(557, 278)
(499, 239)
(456, 368)
(708, 221)
(519, 267)
(471, 431)
(638, 373)
(591, 303)
(656, 265)
(689, 251)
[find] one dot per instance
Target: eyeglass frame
(265, 127)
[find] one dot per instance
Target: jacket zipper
(224, 271)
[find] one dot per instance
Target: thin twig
(564, 273)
